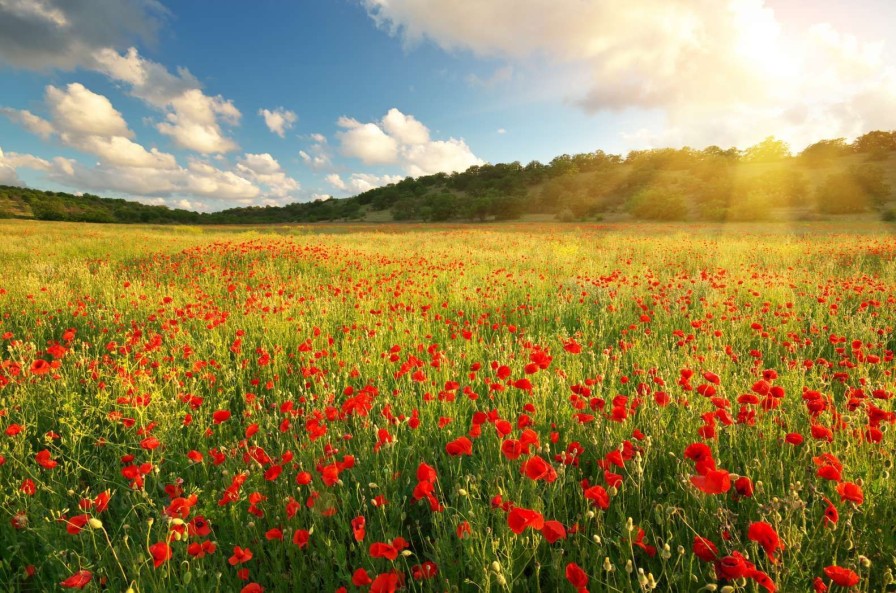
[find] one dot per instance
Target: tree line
(827, 177)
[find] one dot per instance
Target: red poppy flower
(704, 549)
(387, 583)
(598, 496)
(842, 576)
(252, 588)
(240, 555)
(427, 570)
(714, 482)
(459, 446)
(300, 537)
(831, 515)
(732, 567)
(76, 524)
(358, 528)
(78, 580)
(553, 531)
(851, 492)
(40, 367)
(161, 553)
(518, 519)
(536, 468)
(360, 578)
(766, 536)
(576, 576)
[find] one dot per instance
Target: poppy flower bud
(95, 523)
(496, 566)
(608, 566)
(461, 492)
(629, 567)
(865, 561)
(727, 589)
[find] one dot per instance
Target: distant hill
(763, 182)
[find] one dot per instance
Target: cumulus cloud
(278, 120)
(10, 162)
(198, 178)
(264, 169)
(33, 123)
(318, 156)
(367, 142)
(87, 121)
(703, 63)
(362, 182)
(399, 139)
(193, 119)
(336, 181)
(43, 34)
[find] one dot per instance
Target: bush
(659, 204)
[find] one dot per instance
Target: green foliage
(769, 150)
(712, 183)
(659, 204)
(823, 152)
(854, 190)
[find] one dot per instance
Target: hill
(762, 182)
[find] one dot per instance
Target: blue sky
(209, 105)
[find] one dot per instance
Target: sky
(209, 105)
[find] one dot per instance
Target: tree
(659, 204)
(769, 150)
(855, 190)
(823, 152)
(876, 141)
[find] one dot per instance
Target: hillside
(763, 182)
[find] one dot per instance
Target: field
(484, 408)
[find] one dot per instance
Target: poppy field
(488, 408)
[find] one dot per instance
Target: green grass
(157, 312)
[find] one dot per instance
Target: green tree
(769, 150)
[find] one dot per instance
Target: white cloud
(80, 111)
(198, 178)
(193, 122)
(87, 121)
(192, 118)
(405, 128)
(362, 182)
(720, 71)
(336, 181)
(319, 156)
(33, 123)
(43, 34)
(400, 139)
(367, 142)
(264, 169)
(10, 162)
(279, 120)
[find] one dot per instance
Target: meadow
(488, 408)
